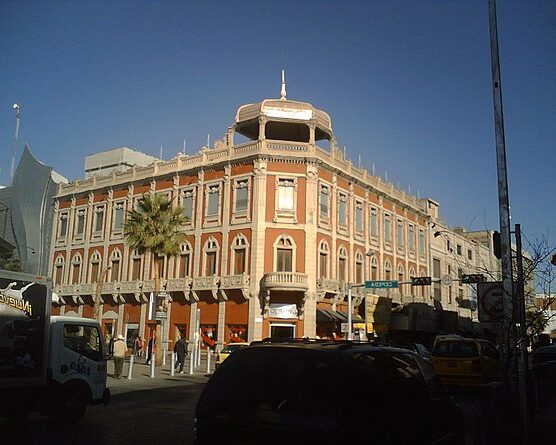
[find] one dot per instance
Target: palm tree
(154, 228)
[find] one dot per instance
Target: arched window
(239, 255)
(342, 264)
(184, 261)
(59, 269)
(115, 262)
(359, 267)
(374, 268)
(387, 270)
(323, 259)
(284, 254)
(94, 267)
(211, 254)
(75, 269)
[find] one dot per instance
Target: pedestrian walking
(120, 350)
(180, 349)
(150, 348)
(139, 346)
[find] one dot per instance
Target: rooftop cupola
(283, 120)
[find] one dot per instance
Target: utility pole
(503, 198)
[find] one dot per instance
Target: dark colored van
(325, 393)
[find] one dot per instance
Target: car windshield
(455, 349)
(231, 348)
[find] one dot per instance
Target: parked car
(226, 351)
(325, 393)
(465, 361)
(544, 354)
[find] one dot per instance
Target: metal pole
(152, 365)
(191, 359)
(16, 107)
(164, 356)
(130, 370)
(208, 360)
(349, 336)
(503, 198)
(523, 369)
(173, 363)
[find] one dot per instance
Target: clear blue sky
(406, 83)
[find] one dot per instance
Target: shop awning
(323, 316)
(354, 318)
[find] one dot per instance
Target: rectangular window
(359, 273)
(373, 222)
(63, 225)
(324, 199)
(99, 219)
(458, 249)
(387, 228)
(213, 202)
(411, 237)
(184, 266)
(358, 216)
(448, 245)
(94, 272)
(323, 263)
(115, 274)
(241, 196)
(76, 271)
(210, 265)
(284, 260)
(437, 291)
(58, 275)
(286, 191)
(342, 269)
(136, 269)
(342, 209)
(118, 216)
(400, 241)
(422, 243)
(469, 254)
(187, 204)
(80, 222)
(239, 261)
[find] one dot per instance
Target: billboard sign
(25, 302)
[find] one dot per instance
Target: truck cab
(77, 364)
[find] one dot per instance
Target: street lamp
(98, 292)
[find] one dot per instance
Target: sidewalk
(141, 380)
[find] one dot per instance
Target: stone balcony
(285, 281)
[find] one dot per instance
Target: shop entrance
(282, 330)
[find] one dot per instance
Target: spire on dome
(283, 89)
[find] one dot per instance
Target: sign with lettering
(381, 284)
(278, 310)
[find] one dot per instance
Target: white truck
(52, 365)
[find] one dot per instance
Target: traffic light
(421, 281)
(496, 247)
(472, 278)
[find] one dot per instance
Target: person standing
(120, 350)
(150, 348)
(180, 349)
(139, 346)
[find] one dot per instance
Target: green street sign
(380, 284)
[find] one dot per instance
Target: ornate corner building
(279, 223)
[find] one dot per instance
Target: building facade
(279, 224)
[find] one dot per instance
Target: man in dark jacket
(180, 349)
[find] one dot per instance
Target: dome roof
(284, 109)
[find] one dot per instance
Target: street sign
(344, 327)
(446, 280)
(490, 297)
(380, 284)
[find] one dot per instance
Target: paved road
(143, 410)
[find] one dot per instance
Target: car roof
(329, 346)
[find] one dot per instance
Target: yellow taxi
(226, 351)
(465, 361)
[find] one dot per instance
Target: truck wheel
(72, 404)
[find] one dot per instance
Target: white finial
(283, 89)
